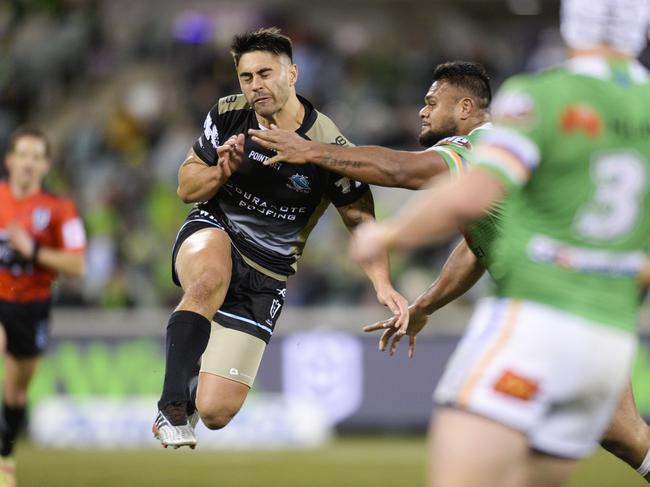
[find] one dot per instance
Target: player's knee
(217, 417)
(205, 287)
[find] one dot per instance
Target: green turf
(353, 462)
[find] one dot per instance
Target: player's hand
(21, 241)
(398, 305)
(369, 241)
(230, 155)
(417, 319)
(288, 145)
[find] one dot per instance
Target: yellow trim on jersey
(456, 159)
(232, 102)
(325, 130)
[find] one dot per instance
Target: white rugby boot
(173, 428)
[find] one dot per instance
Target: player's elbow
(184, 194)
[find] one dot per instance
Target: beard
(432, 137)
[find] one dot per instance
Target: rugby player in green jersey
(541, 369)
(457, 103)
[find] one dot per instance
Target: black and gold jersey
(269, 211)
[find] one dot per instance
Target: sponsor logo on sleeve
(210, 131)
(346, 184)
(340, 140)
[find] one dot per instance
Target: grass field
(347, 462)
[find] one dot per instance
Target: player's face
(266, 81)
(439, 113)
(27, 163)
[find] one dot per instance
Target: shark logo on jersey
(40, 218)
(299, 183)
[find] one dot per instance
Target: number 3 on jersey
(620, 181)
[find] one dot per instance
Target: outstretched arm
(436, 214)
(197, 181)
(459, 274)
(377, 269)
(369, 164)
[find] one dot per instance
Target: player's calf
(628, 435)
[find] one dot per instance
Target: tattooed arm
(369, 164)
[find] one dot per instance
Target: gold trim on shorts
(232, 354)
(259, 268)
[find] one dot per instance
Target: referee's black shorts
(27, 327)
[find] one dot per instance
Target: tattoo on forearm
(335, 162)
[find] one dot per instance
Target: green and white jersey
(456, 152)
(572, 146)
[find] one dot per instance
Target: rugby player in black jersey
(233, 254)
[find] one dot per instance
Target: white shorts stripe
(246, 320)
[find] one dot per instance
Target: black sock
(187, 336)
(193, 386)
(12, 421)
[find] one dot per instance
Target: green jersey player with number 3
(539, 373)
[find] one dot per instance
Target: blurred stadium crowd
(122, 88)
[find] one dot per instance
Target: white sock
(645, 465)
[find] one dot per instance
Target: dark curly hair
(468, 75)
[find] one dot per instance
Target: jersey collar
(486, 125)
(601, 68)
(309, 118)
